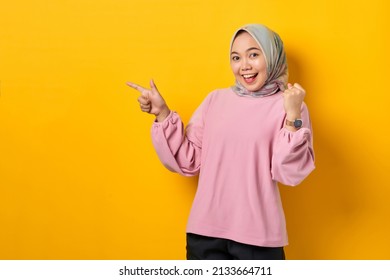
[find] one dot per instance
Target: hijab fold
(275, 57)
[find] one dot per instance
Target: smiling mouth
(249, 78)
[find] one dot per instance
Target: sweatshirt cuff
(296, 137)
(171, 118)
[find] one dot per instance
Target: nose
(245, 65)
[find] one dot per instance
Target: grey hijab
(275, 57)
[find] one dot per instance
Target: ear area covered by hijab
(275, 57)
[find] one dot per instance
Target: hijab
(275, 57)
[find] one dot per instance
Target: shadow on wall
(321, 211)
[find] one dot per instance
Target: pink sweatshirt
(240, 149)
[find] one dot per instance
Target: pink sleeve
(293, 154)
(178, 149)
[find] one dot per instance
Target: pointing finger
(135, 86)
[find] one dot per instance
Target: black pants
(209, 248)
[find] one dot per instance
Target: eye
(235, 58)
(254, 55)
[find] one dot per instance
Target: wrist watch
(297, 123)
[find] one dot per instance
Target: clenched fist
(293, 99)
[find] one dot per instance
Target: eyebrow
(250, 49)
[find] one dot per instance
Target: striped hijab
(275, 57)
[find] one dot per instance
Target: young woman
(241, 141)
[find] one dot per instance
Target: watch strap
(297, 123)
(289, 123)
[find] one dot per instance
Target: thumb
(154, 87)
(286, 88)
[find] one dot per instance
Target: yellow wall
(79, 178)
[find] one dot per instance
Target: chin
(252, 88)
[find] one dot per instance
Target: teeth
(249, 76)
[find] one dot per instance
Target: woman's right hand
(151, 101)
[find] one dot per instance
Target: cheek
(235, 69)
(261, 66)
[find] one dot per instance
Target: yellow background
(79, 178)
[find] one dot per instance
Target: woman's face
(248, 62)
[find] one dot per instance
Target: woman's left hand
(293, 99)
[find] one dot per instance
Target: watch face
(298, 123)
